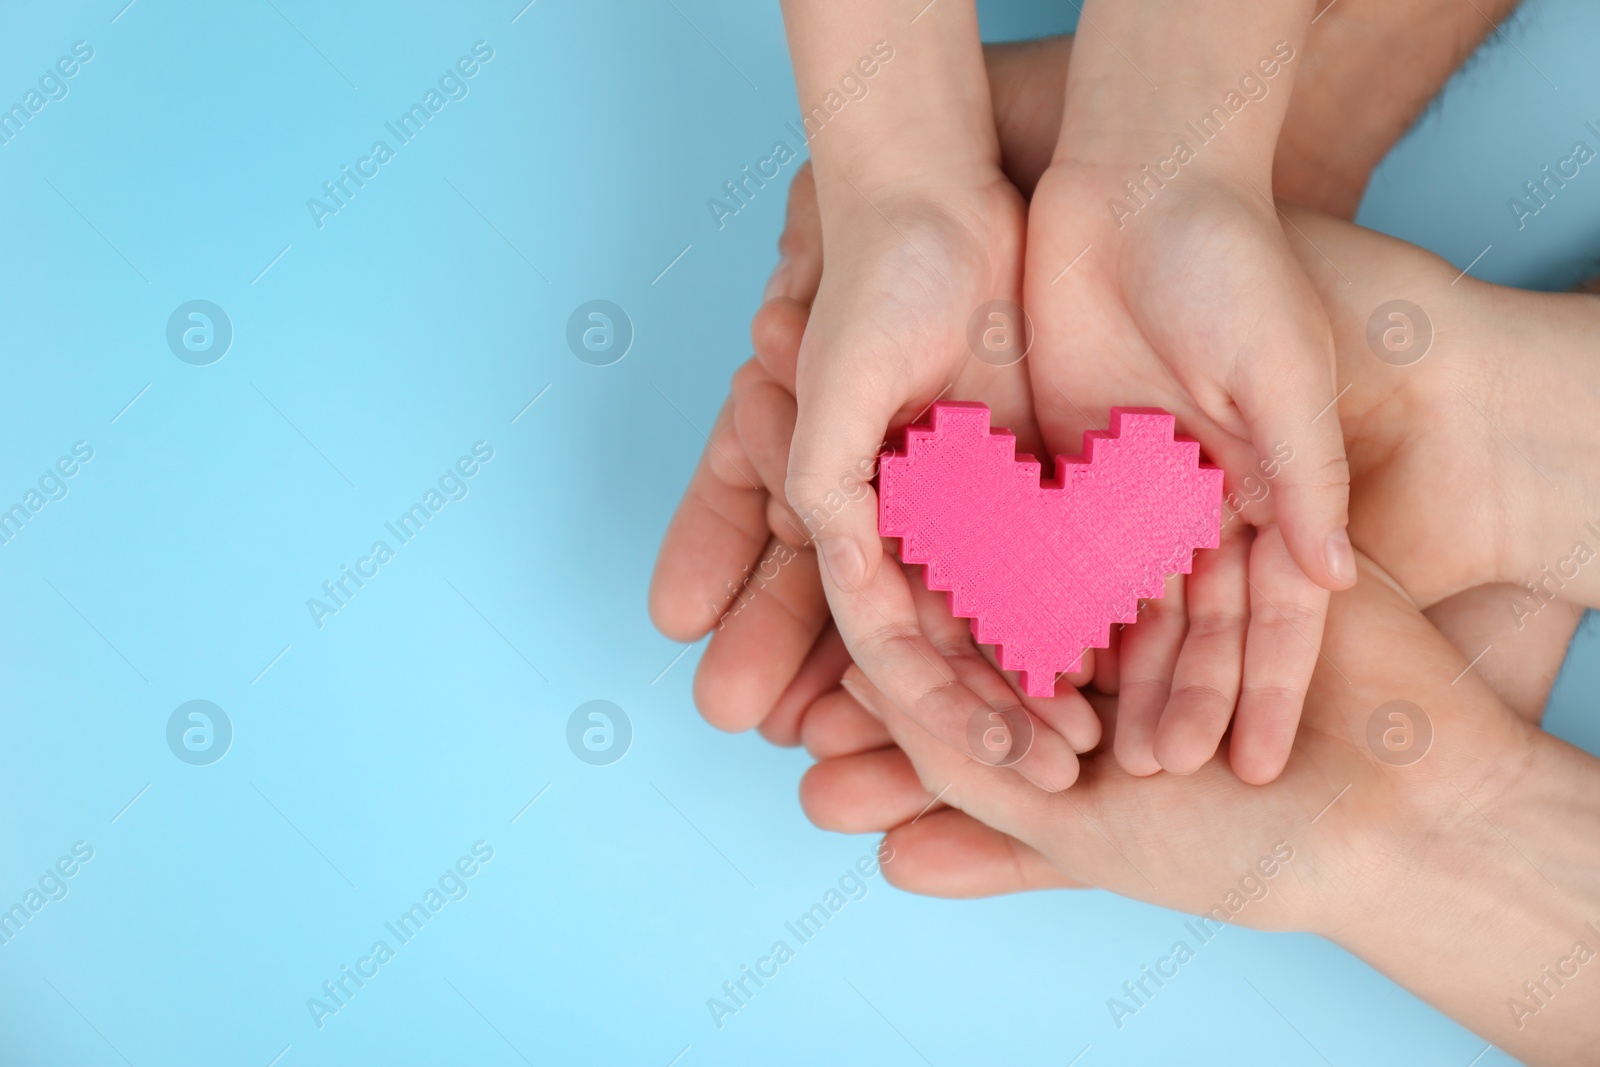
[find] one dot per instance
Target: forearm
(1492, 911)
(1214, 76)
(890, 105)
(1370, 68)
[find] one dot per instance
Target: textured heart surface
(1043, 570)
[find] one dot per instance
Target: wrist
(885, 102)
(975, 200)
(1175, 144)
(906, 134)
(1521, 384)
(1490, 884)
(1467, 386)
(1221, 96)
(894, 171)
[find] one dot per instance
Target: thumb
(1292, 412)
(839, 428)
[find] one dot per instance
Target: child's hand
(736, 558)
(888, 334)
(1158, 273)
(922, 231)
(772, 655)
(1198, 305)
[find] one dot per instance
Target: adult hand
(1459, 868)
(1158, 274)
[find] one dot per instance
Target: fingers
(889, 646)
(765, 637)
(911, 673)
(995, 731)
(1149, 654)
(1068, 714)
(992, 795)
(1284, 392)
(712, 537)
(1108, 664)
(717, 532)
(948, 853)
(936, 851)
(1287, 614)
(1085, 673)
(837, 725)
(775, 333)
(799, 269)
(780, 322)
(764, 418)
(819, 674)
(740, 673)
(838, 430)
(750, 674)
(864, 793)
(1205, 682)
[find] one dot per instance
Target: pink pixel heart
(1044, 570)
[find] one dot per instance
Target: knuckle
(1281, 700)
(801, 487)
(1217, 624)
(795, 240)
(933, 699)
(748, 373)
(1162, 610)
(1203, 694)
(1143, 693)
(1293, 616)
(955, 645)
(786, 526)
(889, 642)
(800, 218)
(1331, 474)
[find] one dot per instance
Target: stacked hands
(1382, 516)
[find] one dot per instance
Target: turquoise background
(426, 715)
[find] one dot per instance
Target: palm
(1189, 311)
(1185, 842)
(1165, 311)
(897, 303)
(888, 335)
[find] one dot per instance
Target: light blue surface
(368, 755)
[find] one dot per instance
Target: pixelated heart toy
(1043, 570)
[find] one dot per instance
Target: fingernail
(1341, 558)
(844, 562)
(778, 284)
